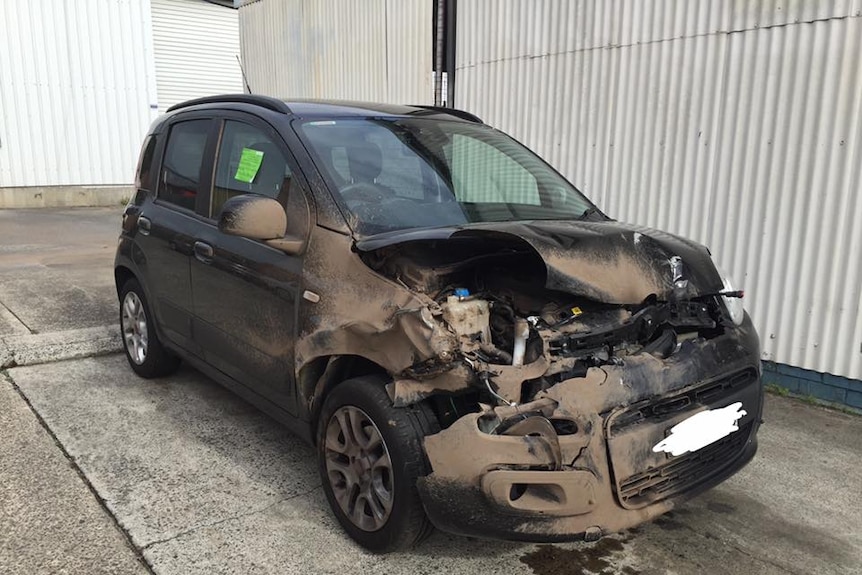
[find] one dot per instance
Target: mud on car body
(468, 341)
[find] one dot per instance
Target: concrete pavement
(50, 522)
(57, 298)
(103, 472)
(203, 483)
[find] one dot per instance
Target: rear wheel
(144, 351)
(370, 456)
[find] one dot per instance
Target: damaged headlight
(733, 304)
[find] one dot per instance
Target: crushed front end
(569, 411)
(579, 458)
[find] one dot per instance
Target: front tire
(370, 455)
(146, 355)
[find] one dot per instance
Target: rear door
(247, 293)
(168, 223)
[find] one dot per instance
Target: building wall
(737, 123)
(196, 46)
(76, 91)
(372, 50)
(80, 83)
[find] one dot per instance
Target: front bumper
(603, 477)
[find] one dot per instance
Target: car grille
(656, 412)
(682, 473)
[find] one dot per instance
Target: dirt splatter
(595, 559)
(254, 217)
(722, 508)
(668, 524)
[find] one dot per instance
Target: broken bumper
(610, 478)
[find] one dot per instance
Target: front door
(246, 293)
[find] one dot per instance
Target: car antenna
(244, 79)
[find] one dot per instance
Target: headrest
(366, 162)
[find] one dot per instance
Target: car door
(168, 223)
(246, 292)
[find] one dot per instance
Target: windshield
(396, 174)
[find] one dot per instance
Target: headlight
(733, 304)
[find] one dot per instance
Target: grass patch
(775, 389)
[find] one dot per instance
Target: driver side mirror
(258, 218)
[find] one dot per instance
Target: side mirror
(259, 218)
(253, 217)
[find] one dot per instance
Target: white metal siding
(372, 50)
(736, 123)
(196, 49)
(75, 91)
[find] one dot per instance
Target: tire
(145, 353)
(401, 430)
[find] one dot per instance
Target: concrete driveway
(57, 296)
(203, 483)
(103, 472)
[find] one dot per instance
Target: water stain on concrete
(595, 559)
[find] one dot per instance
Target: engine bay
(518, 338)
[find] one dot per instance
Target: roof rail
(267, 102)
(452, 112)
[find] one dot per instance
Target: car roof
(317, 109)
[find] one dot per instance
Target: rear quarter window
(144, 172)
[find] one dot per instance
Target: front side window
(181, 169)
(395, 174)
(249, 162)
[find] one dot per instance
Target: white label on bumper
(701, 429)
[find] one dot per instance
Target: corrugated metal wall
(736, 123)
(196, 48)
(372, 50)
(68, 72)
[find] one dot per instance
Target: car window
(181, 169)
(401, 173)
(249, 162)
(144, 180)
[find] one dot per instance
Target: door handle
(203, 252)
(144, 225)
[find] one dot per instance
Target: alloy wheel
(134, 324)
(359, 468)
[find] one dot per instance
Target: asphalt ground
(103, 472)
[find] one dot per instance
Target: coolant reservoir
(468, 317)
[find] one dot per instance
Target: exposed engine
(517, 336)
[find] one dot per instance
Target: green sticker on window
(249, 164)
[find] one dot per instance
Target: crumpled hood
(606, 261)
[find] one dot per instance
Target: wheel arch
(320, 376)
(122, 274)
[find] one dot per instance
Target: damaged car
(468, 341)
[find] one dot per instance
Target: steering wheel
(365, 192)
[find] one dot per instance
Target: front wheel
(370, 456)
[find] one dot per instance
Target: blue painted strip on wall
(823, 386)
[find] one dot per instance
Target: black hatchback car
(469, 342)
